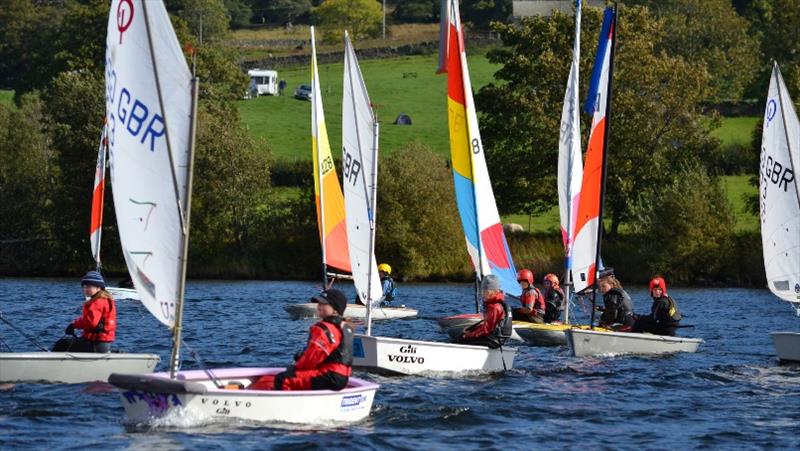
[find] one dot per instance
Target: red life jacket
(532, 298)
(98, 319)
(338, 345)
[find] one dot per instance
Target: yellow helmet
(385, 268)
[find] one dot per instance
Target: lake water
(732, 393)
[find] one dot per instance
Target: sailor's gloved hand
(290, 371)
(70, 330)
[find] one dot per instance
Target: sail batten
(779, 192)
(483, 231)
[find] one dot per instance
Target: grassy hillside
(736, 130)
(399, 85)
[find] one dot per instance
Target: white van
(263, 82)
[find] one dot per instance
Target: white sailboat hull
(309, 310)
(583, 343)
(788, 346)
(121, 294)
(71, 367)
(194, 395)
(409, 357)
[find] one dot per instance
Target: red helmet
(552, 278)
(525, 275)
(660, 283)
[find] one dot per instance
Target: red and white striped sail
(96, 222)
(588, 220)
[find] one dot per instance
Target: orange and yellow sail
(327, 191)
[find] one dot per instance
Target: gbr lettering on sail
(130, 114)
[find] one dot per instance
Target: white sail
(779, 192)
(149, 183)
(570, 167)
(359, 164)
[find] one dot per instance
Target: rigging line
(31, 339)
(202, 364)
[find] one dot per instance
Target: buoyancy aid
(98, 319)
(532, 299)
(619, 307)
(665, 309)
(505, 327)
(340, 338)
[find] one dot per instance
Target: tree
(361, 18)
(776, 22)
(416, 230)
(710, 32)
(656, 120)
(239, 12)
(281, 11)
(481, 13)
(208, 20)
(416, 11)
(692, 219)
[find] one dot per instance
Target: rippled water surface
(732, 393)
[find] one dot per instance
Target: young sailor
(389, 288)
(533, 305)
(553, 298)
(496, 326)
(325, 363)
(664, 315)
(98, 319)
(618, 307)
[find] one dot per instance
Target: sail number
(476, 146)
(776, 173)
(326, 165)
(351, 169)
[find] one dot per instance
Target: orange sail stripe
(97, 207)
(589, 207)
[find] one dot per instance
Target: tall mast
(183, 203)
(576, 49)
(318, 168)
(605, 160)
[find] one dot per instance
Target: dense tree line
(661, 164)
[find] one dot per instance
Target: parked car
(303, 92)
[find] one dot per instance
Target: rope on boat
(32, 340)
(6, 345)
(202, 363)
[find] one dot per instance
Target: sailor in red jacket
(325, 363)
(98, 319)
(533, 305)
(495, 328)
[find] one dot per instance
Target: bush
(419, 229)
(688, 224)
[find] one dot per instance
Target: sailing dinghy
(483, 232)
(586, 248)
(96, 223)
(148, 81)
(331, 214)
(780, 206)
(570, 173)
(360, 146)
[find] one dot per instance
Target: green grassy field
(736, 130)
(736, 187)
(398, 85)
(6, 96)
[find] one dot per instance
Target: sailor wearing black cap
(326, 362)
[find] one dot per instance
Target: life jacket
(625, 307)
(391, 293)
(553, 301)
(673, 314)
(340, 360)
(505, 328)
(106, 328)
(532, 298)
